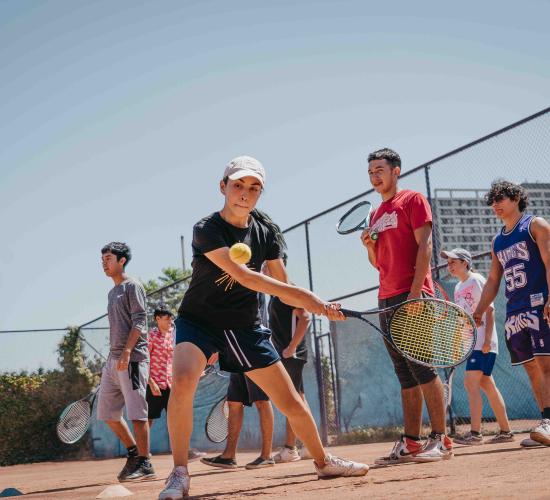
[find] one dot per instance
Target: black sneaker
(131, 464)
(260, 463)
(143, 469)
(223, 463)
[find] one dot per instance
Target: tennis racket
(216, 426)
(356, 219)
(439, 292)
(75, 419)
(428, 331)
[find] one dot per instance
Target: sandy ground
(488, 471)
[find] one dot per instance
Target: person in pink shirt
(161, 351)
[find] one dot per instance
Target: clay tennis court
(488, 471)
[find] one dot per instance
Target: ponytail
(266, 220)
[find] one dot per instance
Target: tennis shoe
(304, 453)
(177, 484)
(438, 447)
(143, 469)
(470, 439)
(541, 433)
(129, 467)
(403, 451)
(501, 437)
(260, 463)
(529, 443)
(287, 454)
(339, 467)
(219, 461)
(194, 454)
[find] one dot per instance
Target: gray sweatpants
(123, 388)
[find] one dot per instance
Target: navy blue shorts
(527, 336)
(240, 350)
(242, 390)
(481, 362)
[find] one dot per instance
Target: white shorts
(119, 389)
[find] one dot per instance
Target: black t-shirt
(283, 324)
(213, 298)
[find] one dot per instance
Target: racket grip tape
(348, 313)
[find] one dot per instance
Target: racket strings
(434, 333)
(216, 424)
(74, 423)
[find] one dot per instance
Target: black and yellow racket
(428, 331)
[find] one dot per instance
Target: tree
(159, 290)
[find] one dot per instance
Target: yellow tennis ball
(240, 253)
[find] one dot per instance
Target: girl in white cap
(219, 316)
(479, 367)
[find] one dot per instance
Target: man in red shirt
(161, 351)
(402, 254)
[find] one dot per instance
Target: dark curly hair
(162, 310)
(501, 188)
(386, 154)
(119, 249)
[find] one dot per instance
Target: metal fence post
(318, 364)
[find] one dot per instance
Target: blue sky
(118, 118)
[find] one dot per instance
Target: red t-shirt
(395, 221)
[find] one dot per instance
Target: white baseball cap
(244, 166)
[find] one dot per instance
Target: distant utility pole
(182, 240)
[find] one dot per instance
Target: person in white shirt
(479, 366)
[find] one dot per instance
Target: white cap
(244, 166)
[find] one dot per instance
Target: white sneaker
(304, 453)
(177, 484)
(438, 447)
(541, 433)
(403, 451)
(338, 467)
(529, 443)
(286, 454)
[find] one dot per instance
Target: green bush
(30, 404)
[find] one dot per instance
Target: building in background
(462, 219)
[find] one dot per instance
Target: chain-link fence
(349, 381)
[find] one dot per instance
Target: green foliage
(171, 296)
(30, 405)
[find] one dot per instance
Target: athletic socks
(132, 451)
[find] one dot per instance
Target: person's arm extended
(423, 237)
(139, 324)
(292, 295)
(540, 229)
(302, 324)
(490, 289)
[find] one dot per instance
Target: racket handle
(374, 236)
(348, 313)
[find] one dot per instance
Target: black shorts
(295, 368)
(240, 350)
(157, 403)
(242, 390)
(409, 373)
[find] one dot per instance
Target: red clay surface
(487, 471)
